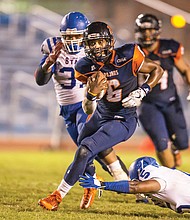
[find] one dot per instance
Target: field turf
(25, 177)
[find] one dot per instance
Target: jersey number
(144, 174)
(67, 79)
(114, 94)
(164, 81)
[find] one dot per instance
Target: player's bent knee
(161, 145)
(83, 152)
(181, 143)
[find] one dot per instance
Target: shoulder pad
(171, 44)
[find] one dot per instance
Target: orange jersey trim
(82, 77)
(179, 53)
(112, 60)
(138, 58)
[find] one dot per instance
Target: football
(101, 94)
(101, 80)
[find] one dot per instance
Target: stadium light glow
(178, 21)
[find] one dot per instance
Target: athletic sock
(64, 188)
(117, 171)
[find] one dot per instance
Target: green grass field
(26, 177)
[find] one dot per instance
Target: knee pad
(161, 145)
(181, 143)
(83, 152)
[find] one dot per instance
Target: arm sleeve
(118, 186)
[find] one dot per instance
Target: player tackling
(166, 187)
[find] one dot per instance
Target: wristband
(118, 186)
(146, 88)
(90, 96)
(92, 93)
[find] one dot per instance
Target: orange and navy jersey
(168, 52)
(121, 73)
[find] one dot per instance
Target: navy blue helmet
(144, 22)
(138, 165)
(100, 32)
(72, 27)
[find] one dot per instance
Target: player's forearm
(154, 71)
(155, 76)
(42, 76)
(88, 106)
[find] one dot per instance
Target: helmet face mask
(147, 29)
(72, 42)
(72, 28)
(98, 41)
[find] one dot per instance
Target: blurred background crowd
(28, 111)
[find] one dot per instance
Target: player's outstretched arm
(124, 186)
(43, 73)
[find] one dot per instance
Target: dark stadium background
(29, 113)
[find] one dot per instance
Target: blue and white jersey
(174, 184)
(68, 89)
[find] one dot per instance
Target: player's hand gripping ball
(97, 84)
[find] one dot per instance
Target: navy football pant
(165, 124)
(75, 118)
(97, 135)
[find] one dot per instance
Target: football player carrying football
(167, 188)
(161, 112)
(60, 56)
(114, 119)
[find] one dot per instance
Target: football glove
(89, 181)
(134, 98)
